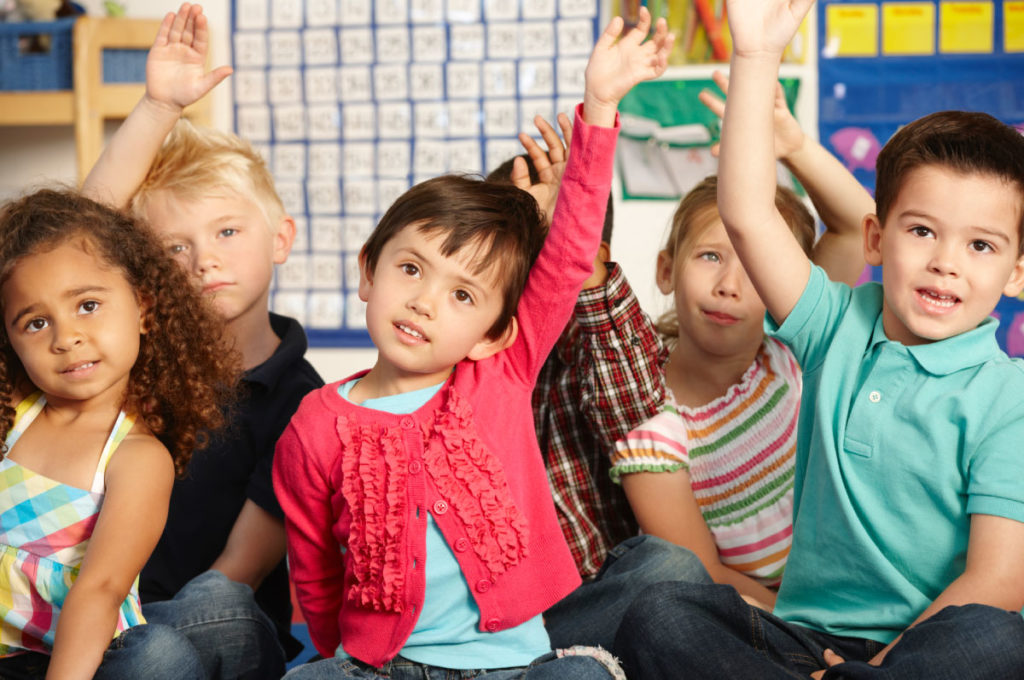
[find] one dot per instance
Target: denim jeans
(590, 615)
(693, 631)
(154, 652)
(231, 635)
(547, 667)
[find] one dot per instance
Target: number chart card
(352, 102)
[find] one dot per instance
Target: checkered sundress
(45, 528)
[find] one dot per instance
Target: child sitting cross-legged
(421, 533)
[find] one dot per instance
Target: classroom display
(352, 102)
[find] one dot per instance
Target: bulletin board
(883, 64)
(352, 102)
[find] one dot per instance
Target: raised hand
(618, 63)
(789, 136)
(176, 73)
(550, 164)
(764, 27)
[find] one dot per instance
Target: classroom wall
(37, 156)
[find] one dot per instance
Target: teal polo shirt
(897, 446)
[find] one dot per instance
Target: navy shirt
(236, 467)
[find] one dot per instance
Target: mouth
(79, 368)
(211, 288)
(720, 318)
(410, 333)
(937, 301)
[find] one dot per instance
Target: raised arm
(841, 201)
(176, 77)
(776, 264)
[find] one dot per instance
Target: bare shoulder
(140, 452)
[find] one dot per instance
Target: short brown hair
(699, 209)
(184, 375)
(502, 223)
(965, 141)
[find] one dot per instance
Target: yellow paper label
(852, 30)
(1013, 26)
(908, 28)
(966, 27)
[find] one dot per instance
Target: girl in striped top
(713, 471)
(110, 370)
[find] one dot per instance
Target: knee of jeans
(597, 658)
(1000, 630)
(155, 644)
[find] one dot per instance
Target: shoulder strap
(24, 413)
(122, 426)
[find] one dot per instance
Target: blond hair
(198, 163)
(699, 210)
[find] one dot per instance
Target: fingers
(539, 156)
(566, 126)
(178, 27)
(201, 41)
(165, 30)
(520, 172)
(214, 78)
(722, 80)
(712, 102)
(831, 658)
(643, 25)
(611, 34)
(556, 150)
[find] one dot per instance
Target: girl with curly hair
(111, 372)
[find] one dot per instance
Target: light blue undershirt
(447, 632)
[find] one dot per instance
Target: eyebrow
(73, 293)
(991, 233)
(474, 283)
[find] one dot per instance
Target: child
(212, 199)
(423, 473)
(108, 352)
(908, 537)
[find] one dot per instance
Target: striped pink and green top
(739, 451)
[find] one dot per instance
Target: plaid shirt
(603, 378)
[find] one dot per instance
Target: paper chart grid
(352, 102)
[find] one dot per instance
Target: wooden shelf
(37, 108)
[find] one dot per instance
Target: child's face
(226, 244)
(719, 311)
(426, 312)
(74, 324)
(948, 251)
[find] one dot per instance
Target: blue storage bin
(124, 65)
(48, 70)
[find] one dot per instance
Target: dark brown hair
(184, 375)
(967, 142)
(501, 223)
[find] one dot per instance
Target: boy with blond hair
(908, 539)
(218, 573)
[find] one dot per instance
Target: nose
(66, 337)
(204, 259)
(421, 303)
(943, 260)
(730, 281)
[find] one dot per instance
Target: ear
(365, 277)
(663, 274)
(604, 252)
(872, 240)
(284, 237)
(488, 347)
(1015, 284)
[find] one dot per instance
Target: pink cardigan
(356, 484)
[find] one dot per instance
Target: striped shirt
(739, 452)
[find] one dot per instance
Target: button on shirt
(897, 446)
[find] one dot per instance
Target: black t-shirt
(235, 467)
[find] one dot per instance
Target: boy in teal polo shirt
(908, 539)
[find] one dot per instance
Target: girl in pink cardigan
(421, 532)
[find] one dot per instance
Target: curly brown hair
(184, 376)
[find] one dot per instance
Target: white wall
(34, 156)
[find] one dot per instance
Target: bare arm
(138, 481)
(776, 264)
(664, 506)
(175, 78)
(255, 546)
(841, 201)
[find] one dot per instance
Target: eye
(410, 269)
(709, 256)
(923, 232)
(227, 232)
(980, 246)
(176, 249)
(88, 307)
(463, 296)
(35, 325)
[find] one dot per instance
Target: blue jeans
(154, 652)
(547, 667)
(231, 635)
(590, 615)
(698, 631)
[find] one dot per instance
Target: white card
(429, 158)
(253, 123)
(499, 79)
(578, 8)
(502, 41)
(355, 311)
(358, 159)
(354, 84)
(427, 81)
(293, 304)
(537, 39)
(356, 45)
(464, 118)
(326, 271)
(285, 85)
(321, 12)
(355, 12)
(500, 117)
(301, 242)
(393, 44)
(464, 156)
(393, 159)
(388, 191)
(293, 273)
(426, 11)
(324, 159)
(358, 121)
(499, 10)
(355, 232)
(325, 309)
(391, 81)
(431, 119)
(251, 15)
(463, 80)
(570, 76)
(530, 108)
(289, 122)
(500, 150)
(327, 234)
(567, 105)
(538, 9)
(250, 49)
(536, 78)
(289, 161)
(350, 262)
(324, 121)
(292, 196)
(250, 86)
(575, 37)
(285, 48)
(323, 196)
(360, 197)
(395, 120)
(429, 43)
(467, 42)
(321, 84)
(321, 46)
(463, 11)
(286, 13)
(391, 11)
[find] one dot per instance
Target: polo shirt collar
(291, 349)
(953, 354)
